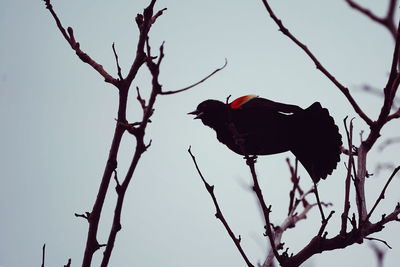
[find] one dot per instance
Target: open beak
(197, 113)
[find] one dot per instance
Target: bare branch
(325, 223)
(43, 254)
(144, 23)
(387, 21)
(395, 115)
(76, 47)
(380, 240)
(359, 182)
(219, 215)
(291, 220)
(159, 13)
(68, 264)
(382, 194)
(116, 60)
(85, 216)
(295, 180)
(389, 95)
(139, 150)
(350, 163)
(197, 83)
(319, 203)
(319, 66)
(118, 185)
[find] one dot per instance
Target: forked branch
(387, 21)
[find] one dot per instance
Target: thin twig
(68, 264)
(345, 214)
(295, 180)
(395, 115)
(382, 194)
(219, 215)
(159, 13)
(319, 202)
(389, 94)
(43, 254)
(325, 223)
(291, 220)
(142, 102)
(76, 47)
(85, 216)
(116, 60)
(380, 240)
(387, 21)
(197, 83)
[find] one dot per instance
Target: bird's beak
(197, 113)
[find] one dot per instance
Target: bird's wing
(253, 101)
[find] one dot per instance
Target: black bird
(266, 127)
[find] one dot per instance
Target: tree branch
(218, 214)
(139, 150)
(250, 161)
(350, 164)
(292, 218)
(144, 22)
(116, 61)
(76, 47)
(382, 194)
(197, 83)
(387, 21)
(380, 240)
(43, 254)
(389, 95)
(319, 66)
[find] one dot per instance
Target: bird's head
(212, 113)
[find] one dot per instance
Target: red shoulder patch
(238, 103)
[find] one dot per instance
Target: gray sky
(58, 120)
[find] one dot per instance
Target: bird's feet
(250, 160)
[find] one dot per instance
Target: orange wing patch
(238, 103)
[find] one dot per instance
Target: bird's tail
(317, 141)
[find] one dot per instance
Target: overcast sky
(57, 119)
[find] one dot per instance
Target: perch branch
(219, 215)
(250, 161)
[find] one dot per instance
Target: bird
(265, 127)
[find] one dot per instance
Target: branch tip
(195, 84)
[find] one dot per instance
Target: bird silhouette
(265, 127)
